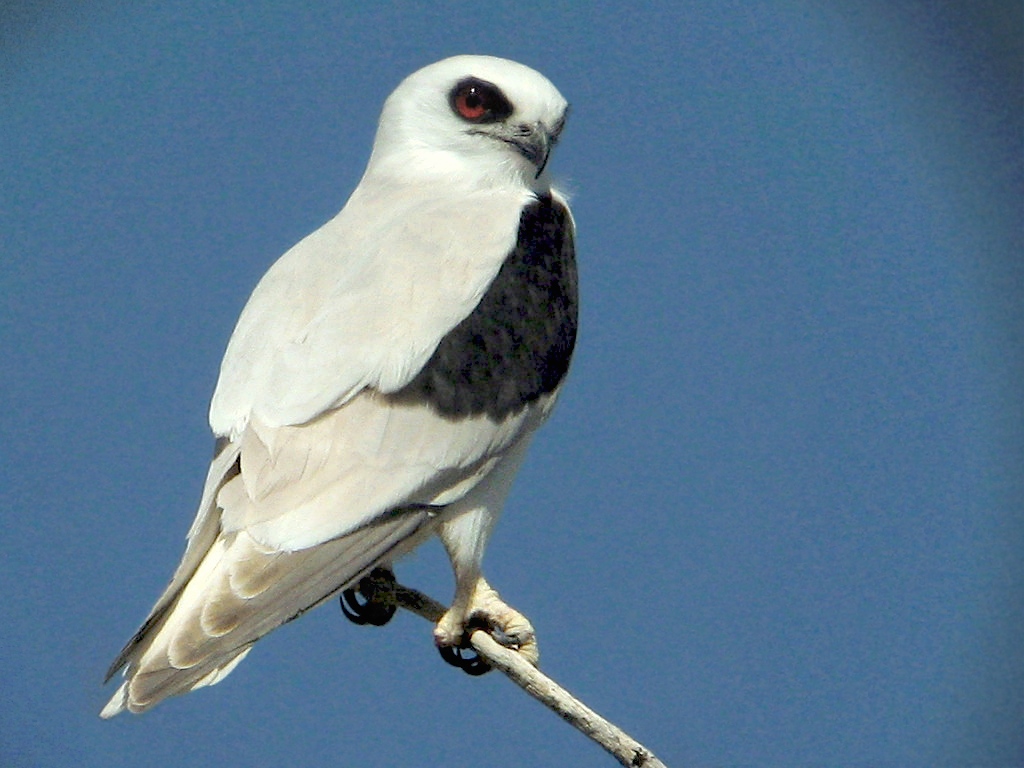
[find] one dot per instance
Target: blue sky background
(776, 519)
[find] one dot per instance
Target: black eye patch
(477, 101)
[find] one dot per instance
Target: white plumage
(334, 456)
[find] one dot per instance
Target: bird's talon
(503, 638)
(464, 655)
(372, 600)
(473, 665)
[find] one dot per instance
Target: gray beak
(534, 142)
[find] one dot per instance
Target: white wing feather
(362, 302)
(303, 485)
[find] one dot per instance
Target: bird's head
(480, 119)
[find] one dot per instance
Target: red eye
(469, 104)
(477, 101)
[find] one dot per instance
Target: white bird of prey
(383, 381)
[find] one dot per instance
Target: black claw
(464, 656)
(473, 664)
(372, 600)
(451, 655)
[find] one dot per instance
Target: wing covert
(362, 302)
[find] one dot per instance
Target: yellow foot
(486, 610)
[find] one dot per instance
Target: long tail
(240, 591)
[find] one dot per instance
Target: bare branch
(623, 747)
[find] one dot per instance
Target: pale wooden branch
(623, 747)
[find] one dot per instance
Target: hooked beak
(534, 141)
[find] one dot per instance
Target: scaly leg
(476, 604)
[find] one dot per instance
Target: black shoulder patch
(516, 344)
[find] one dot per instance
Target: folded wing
(322, 473)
